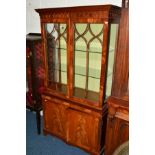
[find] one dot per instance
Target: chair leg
(38, 121)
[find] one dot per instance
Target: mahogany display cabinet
(118, 103)
(78, 53)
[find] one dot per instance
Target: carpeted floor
(45, 145)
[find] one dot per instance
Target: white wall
(65, 3)
(32, 18)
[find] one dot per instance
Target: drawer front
(83, 130)
(55, 118)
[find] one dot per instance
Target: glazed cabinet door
(88, 40)
(55, 48)
(54, 118)
(93, 58)
(83, 130)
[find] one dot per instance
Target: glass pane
(80, 45)
(88, 39)
(96, 46)
(80, 63)
(96, 29)
(56, 43)
(112, 45)
(93, 84)
(64, 77)
(80, 81)
(95, 65)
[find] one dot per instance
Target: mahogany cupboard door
(118, 133)
(83, 130)
(54, 118)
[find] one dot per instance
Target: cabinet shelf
(86, 94)
(60, 70)
(88, 51)
(59, 87)
(95, 75)
(111, 50)
(59, 50)
(88, 76)
(58, 66)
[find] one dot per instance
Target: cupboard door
(83, 130)
(55, 118)
(117, 133)
(122, 130)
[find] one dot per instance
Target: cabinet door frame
(106, 30)
(55, 20)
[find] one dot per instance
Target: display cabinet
(117, 124)
(118, 103)
(79, 49)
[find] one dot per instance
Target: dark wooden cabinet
(117, 124)
(34, 74)
(78, 53)
(118, 104)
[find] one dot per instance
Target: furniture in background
(78, 51)
(117, 124)
(34, 75)
(118, 103)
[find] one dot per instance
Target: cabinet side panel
(121, 70)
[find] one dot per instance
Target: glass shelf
(57, 86)
(88, 51)
(57, 66)
(111, 50)
(94, 73)
(59, 48)
(60, 70)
